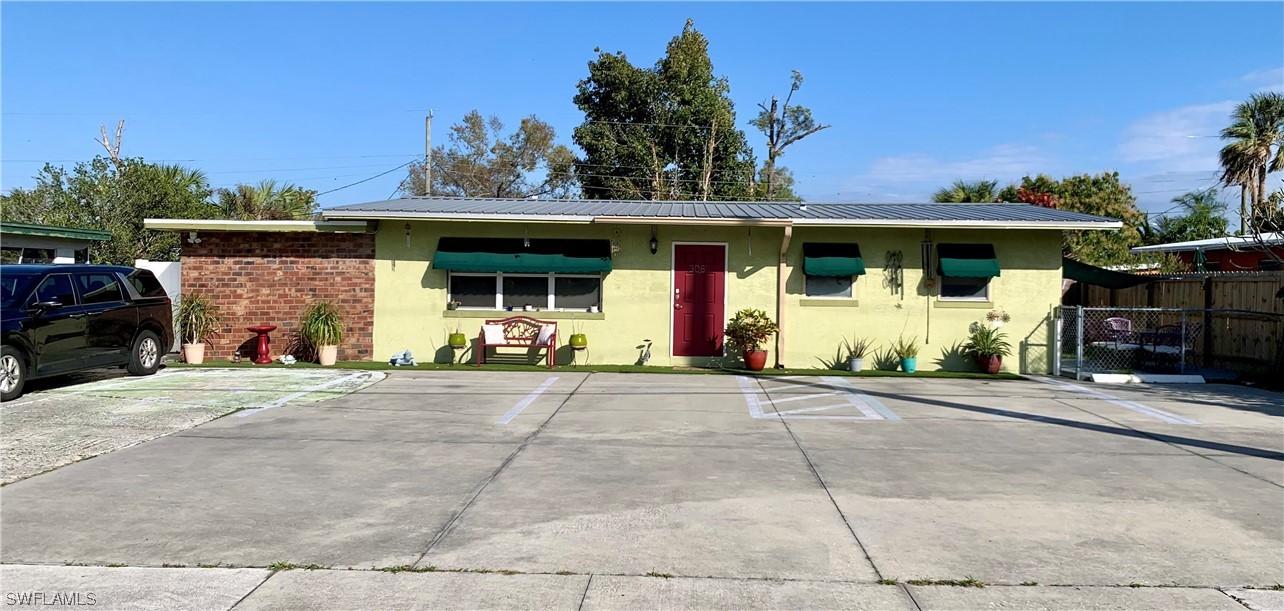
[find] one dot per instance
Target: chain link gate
(1127, 340)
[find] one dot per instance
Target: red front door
(699, 281)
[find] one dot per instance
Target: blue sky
(919, 94)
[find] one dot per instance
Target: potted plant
(579, 341)
(856, 349)
(456, 339)
(199, 320)
(322, 328)
(988, 346)
(907, 352)
(748, 330)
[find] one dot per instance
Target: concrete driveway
(746, 491)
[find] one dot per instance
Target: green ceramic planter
(458, 340)
(579, 341)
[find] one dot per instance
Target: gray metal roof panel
(721, 210)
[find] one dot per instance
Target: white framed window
(964, 289)
(501, 291)
(834, 287)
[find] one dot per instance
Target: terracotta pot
(909, 365)
(579, 341)
(755, 360)
(989, 364)
(194, 353)
(457, 340)
(327, 355)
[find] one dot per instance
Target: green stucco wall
(410, 297)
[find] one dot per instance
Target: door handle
(80, 315)
(677, 306)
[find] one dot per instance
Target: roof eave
(273, 226)
(396, 215)
(970, 224)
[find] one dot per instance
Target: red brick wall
(270, 277)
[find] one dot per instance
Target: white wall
(170, 275)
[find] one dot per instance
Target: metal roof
(1228, 243)
(587, 211)
(50, 231)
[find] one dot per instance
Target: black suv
(63, 318)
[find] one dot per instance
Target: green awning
(1098, 276)
(517, 255)
(967, 261)
(826, 259)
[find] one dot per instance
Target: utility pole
(428, 153)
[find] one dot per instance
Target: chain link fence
(1129, 340)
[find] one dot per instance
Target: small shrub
(199, 319)
(905, 349)
(749, 329)
(322, 324)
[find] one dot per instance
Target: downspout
(781, 275)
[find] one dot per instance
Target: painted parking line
(295, 395)
(1124, 403)
(865, 403)
(526, 401)
(869, 407)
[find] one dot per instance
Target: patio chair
(1120, 329)
(1165, 346)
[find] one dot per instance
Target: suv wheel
(145, 356)
(13, 373)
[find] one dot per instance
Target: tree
(783, 179)
(267, 201)
(115, 195)
(1204, 218)
(1102, 195)
(666, 132)
(1256, 133)
(783, 126)
(481, 161)
(964, 192)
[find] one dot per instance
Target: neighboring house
(629, 272)
(27, 243)
(1246, 254)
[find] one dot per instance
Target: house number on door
(696, 269)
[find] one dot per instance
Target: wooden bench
(519, 332)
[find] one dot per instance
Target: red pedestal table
(264, 358)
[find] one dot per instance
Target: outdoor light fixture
(526, 238)
(655, 244)
(407, 235)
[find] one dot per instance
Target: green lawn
(380, 365)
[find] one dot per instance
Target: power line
(404, 155)
(367, 179)
(260, 112)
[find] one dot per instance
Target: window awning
(1099, 276)
(513, 255)
(967, 260)
(826, 259)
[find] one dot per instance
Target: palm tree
(1203, 218)
(267, 201)
(964, 192)
(1256, 133)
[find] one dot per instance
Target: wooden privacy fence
(1242, 314)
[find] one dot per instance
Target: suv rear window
(146, 283)
(99, 288)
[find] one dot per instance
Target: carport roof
(732, 212)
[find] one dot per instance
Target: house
(27, 243)
(634, 275)
(1229, 254)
